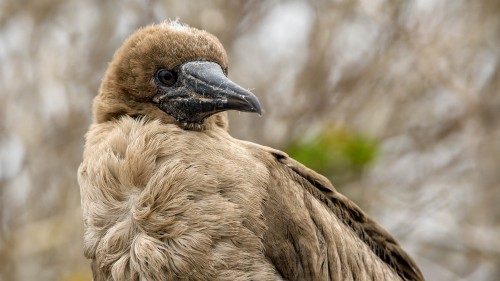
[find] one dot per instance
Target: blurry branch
(41, 236)
(38, 10)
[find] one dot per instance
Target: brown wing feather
(379, 240)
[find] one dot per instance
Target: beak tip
(258, 110)
(253, 101)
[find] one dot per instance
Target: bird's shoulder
(378, 240)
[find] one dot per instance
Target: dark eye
(166, 77)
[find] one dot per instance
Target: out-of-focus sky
(417, 80)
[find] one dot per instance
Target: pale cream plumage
(163, 200)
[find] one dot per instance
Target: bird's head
(174, 73)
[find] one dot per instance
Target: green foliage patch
(337, 153)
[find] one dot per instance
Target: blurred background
(397, 102)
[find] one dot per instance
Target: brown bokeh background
(420, 77)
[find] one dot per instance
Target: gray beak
(201, 90)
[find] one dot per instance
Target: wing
(316, 233)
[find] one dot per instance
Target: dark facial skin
(195, 90)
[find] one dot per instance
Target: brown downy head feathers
(129, 85)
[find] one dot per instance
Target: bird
(168, 194)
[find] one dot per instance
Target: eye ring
(166, 77)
